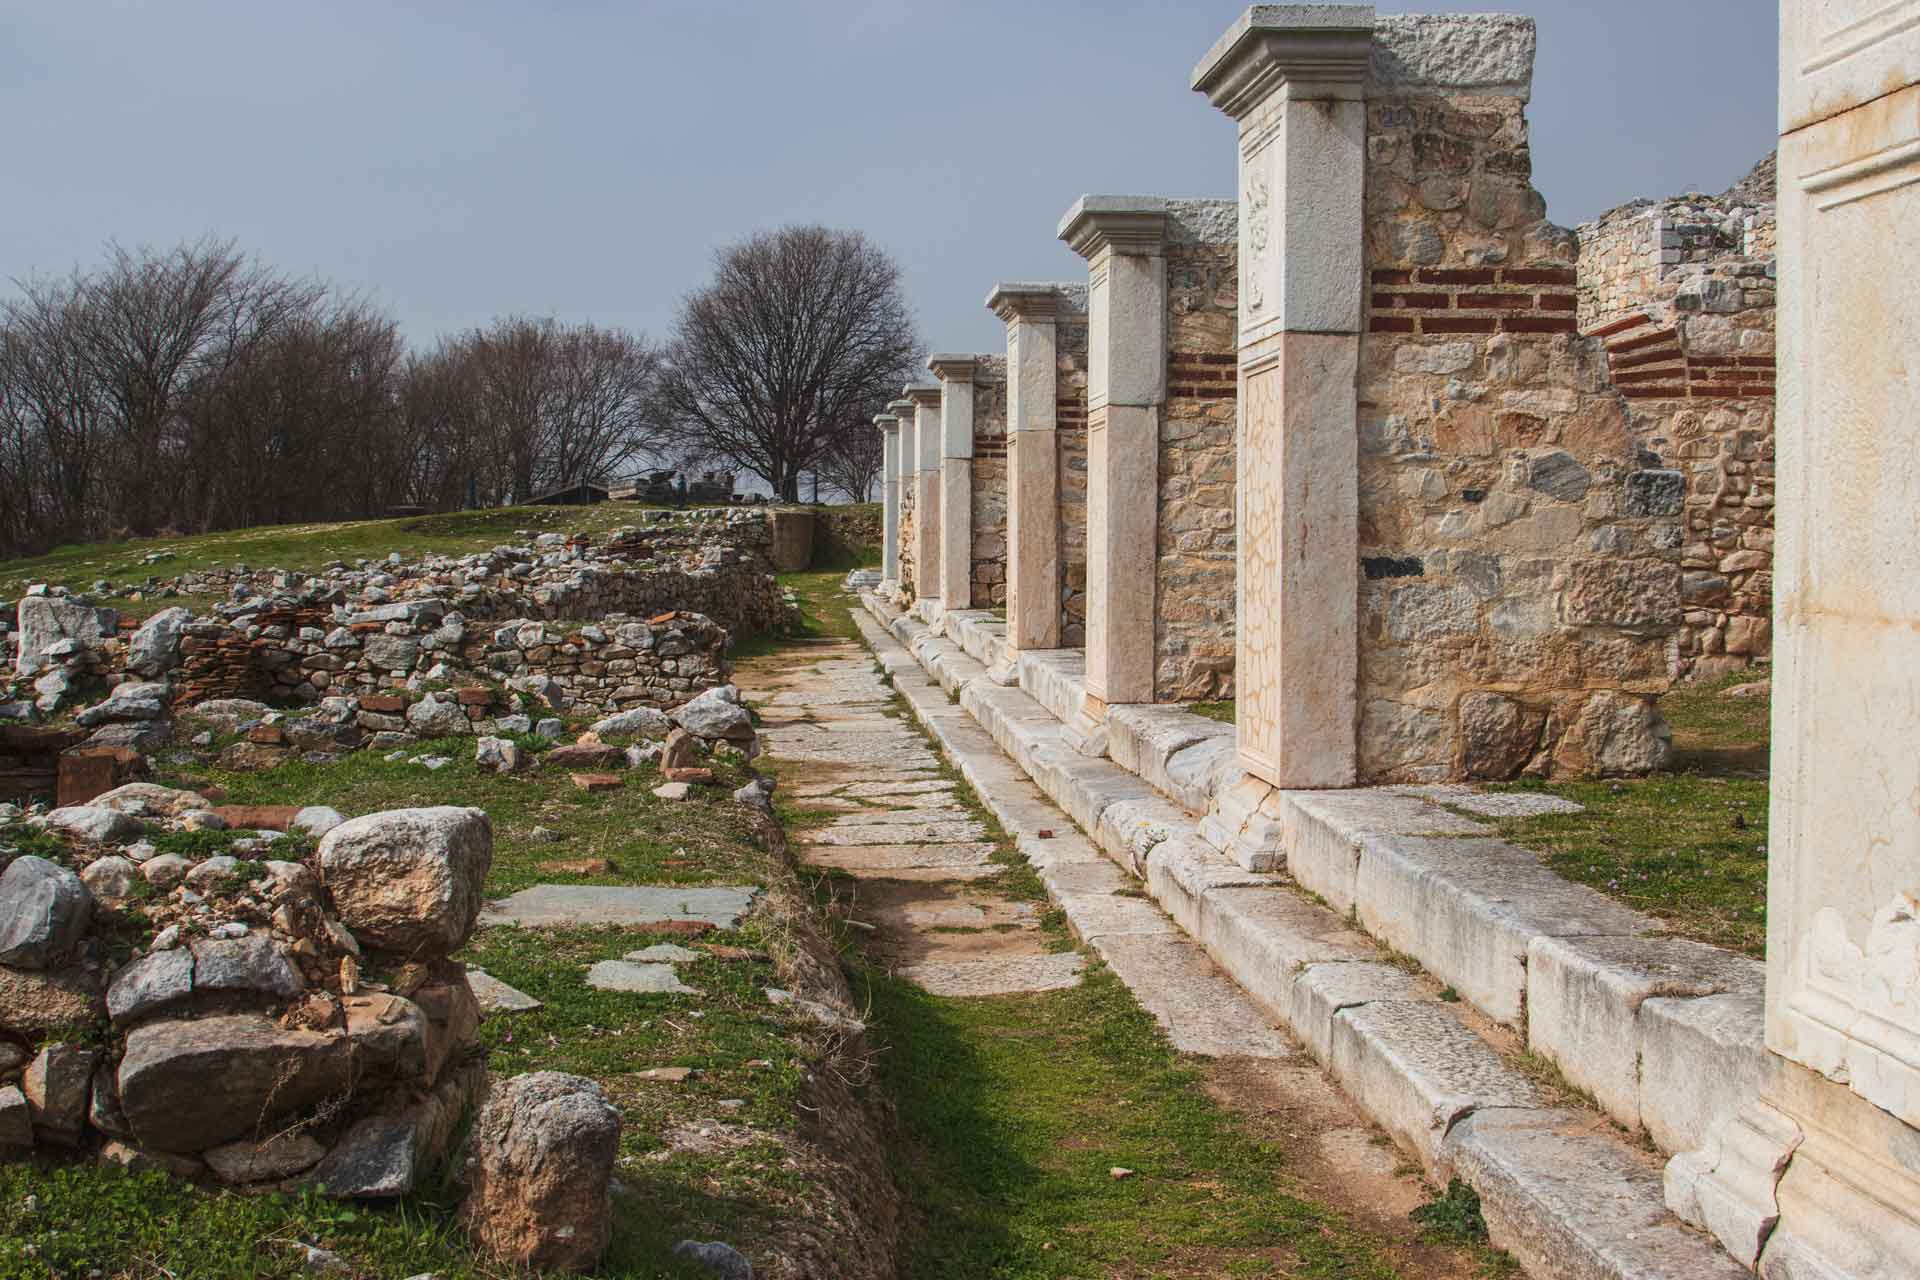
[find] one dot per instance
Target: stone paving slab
(900, 833)
(496, 996)
(565, 905)
(1493, 804)
(1413, 1067)
(866, 815)
(1202, 1009)
(1567, 1201)
(996, 976)
(639, 979)
(901, 857)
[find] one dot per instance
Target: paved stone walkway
(917, 857)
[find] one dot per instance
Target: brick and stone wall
(989, 565)
(1070, 419)
(1682, 294)
(1520, 556)
(908, 489)
(1194, 606)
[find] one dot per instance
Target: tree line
(195, 389)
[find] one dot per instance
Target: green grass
(1223, 711)
(1689, 846)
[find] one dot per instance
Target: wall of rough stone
(1194, 606)
(1070, 423)
(909, 488)
(989, 566)
(1521, 559)
(1682, 292)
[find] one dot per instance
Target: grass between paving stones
(1223, 711)
(1014, 1110)
(1689, 846)
(738, 1182)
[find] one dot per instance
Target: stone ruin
(1495, 485)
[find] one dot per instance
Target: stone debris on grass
(638, 979)
(673, 791)
(542, 1172)
(820, 1012)
(725, 1261)
(664, 953)
(715, 906)
(496, 996)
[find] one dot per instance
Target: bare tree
(852, 460)
(802, 332)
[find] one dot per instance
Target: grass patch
(1223, 710)
(1688, 846)
(1016, 1109)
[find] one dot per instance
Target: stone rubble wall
(1521, 559)
(989, 561)
(908, 491)
(1682, 292)
(1195, 603)
(1070, 424)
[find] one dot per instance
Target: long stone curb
(1667, 1035)
(1560, 1190)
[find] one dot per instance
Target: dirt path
(915, 864)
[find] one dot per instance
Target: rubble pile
(220, 1018)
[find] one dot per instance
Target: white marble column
(1121, 237)
(955, 373)
(1820, 1176)
(1033, 463)
(1294, 80)
(926, 496)
(890, 498)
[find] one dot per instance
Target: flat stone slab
(640, 979)
(888, 790)
(549, 905)
(891, 817)
(1201, 1009)
(1494, 804)
(998, 975)
(663, 953)
(1567, 1198)
(496, 996)
(899, 833)
(896, 857)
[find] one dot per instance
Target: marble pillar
(1820, 1176)
(1294, 79)
(926, 495)
(1033, 463)
(890, 502)
(955, 373)
(1122, 238)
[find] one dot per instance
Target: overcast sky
(464, 159)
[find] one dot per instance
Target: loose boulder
(190, 1085)
(717, 713)
(409, 880)
(45, 621)
(544, 1148)
(44, 912)
(432, 718)
(58, 1085)
(645, 722)
(155, 647)
(94, 823)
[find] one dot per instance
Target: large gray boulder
(409, 880)
(44, 913)
(433, 717)
(150, 800)
(187, 1086)
(544, 1148)
(47, 620)
(717, 713)
(94, 824)
(155, 647)
(131, 703)
(646, 722)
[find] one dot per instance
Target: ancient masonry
(1492, 487)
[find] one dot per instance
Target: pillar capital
(886, 422)
(922, 395)
(1023, 300)
(901, 409)
(1300, 51)
(950, 366)
(1132, 225)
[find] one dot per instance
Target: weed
(1453, 1217)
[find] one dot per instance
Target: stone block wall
(1070, 419)
(1521, 558)
(1194, 607)
(989, 564)
(909, 488)
(1682, 293)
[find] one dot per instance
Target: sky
(463, 160)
